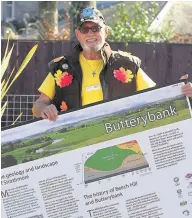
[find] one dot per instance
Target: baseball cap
(90, 14)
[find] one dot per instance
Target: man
(91, 73)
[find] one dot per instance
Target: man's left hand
(187, 88)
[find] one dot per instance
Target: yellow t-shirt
(91, 88)
(143, 81)
(48, 86)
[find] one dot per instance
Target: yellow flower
(58, 74)
(129, 76)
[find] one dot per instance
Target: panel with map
(112, 161)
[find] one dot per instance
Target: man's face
(91, 41)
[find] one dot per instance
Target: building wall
(19, 9)
(4, 13)
(32, 8)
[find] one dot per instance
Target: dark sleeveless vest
(112, 88)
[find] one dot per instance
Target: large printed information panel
(126, 158)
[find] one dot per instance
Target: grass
(94, 132)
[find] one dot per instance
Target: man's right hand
(50, 112)
(43, 108)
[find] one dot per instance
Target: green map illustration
(112, 161)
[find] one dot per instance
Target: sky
(92, 112)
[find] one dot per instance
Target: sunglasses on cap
(85, 29)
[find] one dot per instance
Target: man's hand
(187, 88)
(43, 108)
(50, 112)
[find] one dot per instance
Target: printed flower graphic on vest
(63, 106)
(63, 78)
(123, 75)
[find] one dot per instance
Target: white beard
(92, 49)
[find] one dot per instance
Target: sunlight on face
(92, 41)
